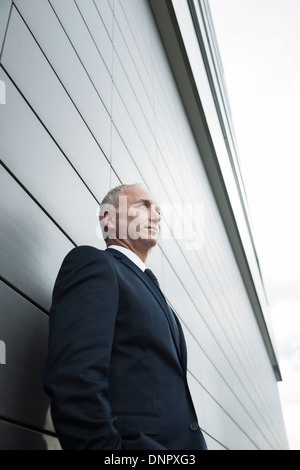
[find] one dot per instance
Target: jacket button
(194, 427)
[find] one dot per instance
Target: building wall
(91, 102)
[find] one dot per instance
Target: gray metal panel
(4, 15)
(96, 27)
(28, 151)
(136, 110)
(127, 130)
(212, 444)
(135, 28)
(126, 169)
(14, 437)
(227, 395)
(219, 424)
(24, 329)
(32, 73)
(105, 11)
(31, 246)
(125, 49)
(111, 4)
(84, 45)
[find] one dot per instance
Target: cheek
(141, 219)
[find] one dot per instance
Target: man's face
(138, 217)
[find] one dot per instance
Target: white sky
(259, 42)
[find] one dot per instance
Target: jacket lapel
(125, 260)
(183, 350)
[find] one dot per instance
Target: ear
(109, 220)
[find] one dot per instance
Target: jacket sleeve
(81, 330)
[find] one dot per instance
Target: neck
(141, 252)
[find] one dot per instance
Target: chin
(150, 242)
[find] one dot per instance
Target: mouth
(153, 229)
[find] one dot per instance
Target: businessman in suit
(116, 368)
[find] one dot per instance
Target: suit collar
(130, 254)
(131, 265)
(125, 260)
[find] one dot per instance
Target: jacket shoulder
(82, 256)
(79, 262)
(84, 252)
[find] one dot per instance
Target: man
(116, 369)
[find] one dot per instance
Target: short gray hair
(113, 195)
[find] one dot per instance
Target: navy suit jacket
(114, 374)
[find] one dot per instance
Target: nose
(154, 214)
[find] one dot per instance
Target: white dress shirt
(131, 255)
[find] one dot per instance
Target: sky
(259, 43)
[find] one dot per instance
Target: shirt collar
(131, 255)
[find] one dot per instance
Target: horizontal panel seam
(27, 427)
(83, 66)
(22, 294)
(50, 135)
(226, 412)
(65, 90)
(6, 29)
(36, 201)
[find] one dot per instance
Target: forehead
(135, 194)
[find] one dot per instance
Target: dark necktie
(153, 278)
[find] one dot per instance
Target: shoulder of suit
(82, 256)
(86, 254)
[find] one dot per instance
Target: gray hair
(113, 195)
